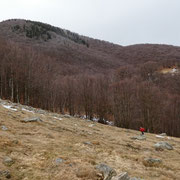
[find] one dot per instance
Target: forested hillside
(55, 69)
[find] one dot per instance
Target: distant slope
(80, 52)
(62, 44)
(150, 52)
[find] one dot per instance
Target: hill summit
(83, 54)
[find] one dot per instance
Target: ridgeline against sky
(122, 22)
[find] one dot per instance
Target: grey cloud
(120, 21)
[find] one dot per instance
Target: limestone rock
(87, 143)
(107, 171)
(150, 162)
(67, 116)
(40, 111)
(163, 134)
(91, 125)
(140, 137)
(160, 146)
(158, 136)
(8, 161)
(122, 176)
(59, 161)
(135, 178)
(5, 174)
(4, 128)
(34, 119)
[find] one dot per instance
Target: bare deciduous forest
(132, 86)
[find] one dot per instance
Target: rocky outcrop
(140, 137)
(160, 146)
(34, 119)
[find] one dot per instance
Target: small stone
(91, 125)
(15, 141)
(135, 178)
(87, 143)
(59, 161)
(50, 136)
(40, 111)
(8, 161)
(107, 171)
(4, 128)
(70, 165)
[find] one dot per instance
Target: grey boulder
(140, 137)
(5, 174)
(33, 119)
(67, 116)
(160, 146)
(107, 171)
(4, 128)
(150, 162)
(59, 161)
(163, 134)
(8, 161)
(122, 176)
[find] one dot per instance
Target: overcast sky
(123, 22)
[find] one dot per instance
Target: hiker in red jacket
(142, 130)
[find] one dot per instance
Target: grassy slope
(39, 144)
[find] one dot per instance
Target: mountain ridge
(61, 39)
(107, 47)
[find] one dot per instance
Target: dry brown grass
(35, 146)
